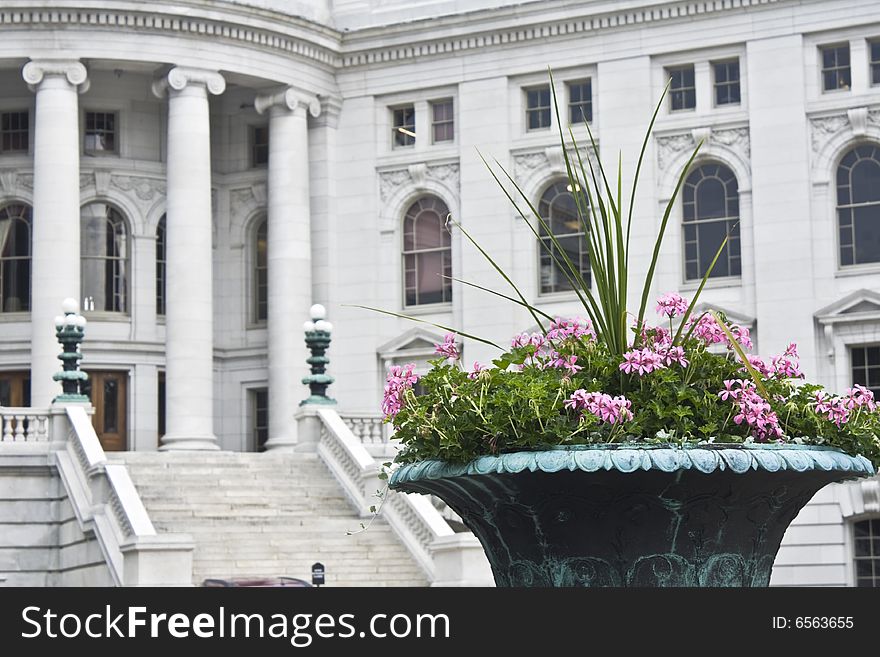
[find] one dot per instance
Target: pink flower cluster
(754, 410)
(400, 379)
(783, 366)
(536, 340)
(838, 409)
(672, 305)
(605, 407)
(563, 362)
(560, 329)
(644, 361)
(478, 368)
(710, 332)
(448, 348)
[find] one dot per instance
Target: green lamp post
(317, 332)
(70, 329)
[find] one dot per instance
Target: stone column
(55, 237)
(289, 255)
(189, 326)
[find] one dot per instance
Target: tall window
(104, 249)
(858, 205)
(442, 121)
(160, 267)
(835, 67)
(682, 88)
(726, 82)
(14, 136)
(261, 272)
(259, 418)
(403, 126)
(867, 552)
(427, 253)
(259, 142)
(558, 210)
(580, 101)
(866, 367)
(100, 134)
(711, 212)
(874, 49)
(538, 108)
(15, 258)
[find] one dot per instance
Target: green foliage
(519, 404)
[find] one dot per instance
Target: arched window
(15, 258)
(427, 253)
(160, 267)
(558, 210)
(261, 272)
(104, 249)
(711, 212)
(858, 205)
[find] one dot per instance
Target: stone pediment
(860, 305)
(415, 341)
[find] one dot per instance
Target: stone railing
(105, 502)
(372, 432)
(448, 558)
(19, 425)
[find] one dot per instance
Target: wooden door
(108, 392)
(15, 388)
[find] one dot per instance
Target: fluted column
(289, 255)
(189, 418)
(55, 238)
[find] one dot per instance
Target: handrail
(412, 517)
(107, 504)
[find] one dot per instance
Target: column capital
(72, 69)
(288, 98)
(179, 77)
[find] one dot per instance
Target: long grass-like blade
(499, 270)
(503, 296)
(705, 278)
(756, 377)
(422, 321)
(650, 275)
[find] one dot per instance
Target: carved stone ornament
(290, 99)
(858, 120)
(670, 146)
(36, 70)
(179, 77)
(416, 176)
(549, 160)
(245, 199)
(141, 190)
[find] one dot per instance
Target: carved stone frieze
(417, 176)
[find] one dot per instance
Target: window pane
(427, 260)
(104, 249)
(111, 406)
(261, 272)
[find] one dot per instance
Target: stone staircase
(266, 515)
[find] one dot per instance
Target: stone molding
(549, 160)
(416, 176)
(327, 46)
(179, 77)
(670, 145)
(290, 99)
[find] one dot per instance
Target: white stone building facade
(198, 174)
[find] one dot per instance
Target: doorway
(108, 392)
(15, 388)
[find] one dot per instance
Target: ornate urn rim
(630, 457)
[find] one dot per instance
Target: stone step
(267, 515)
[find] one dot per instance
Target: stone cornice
(290, 35)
